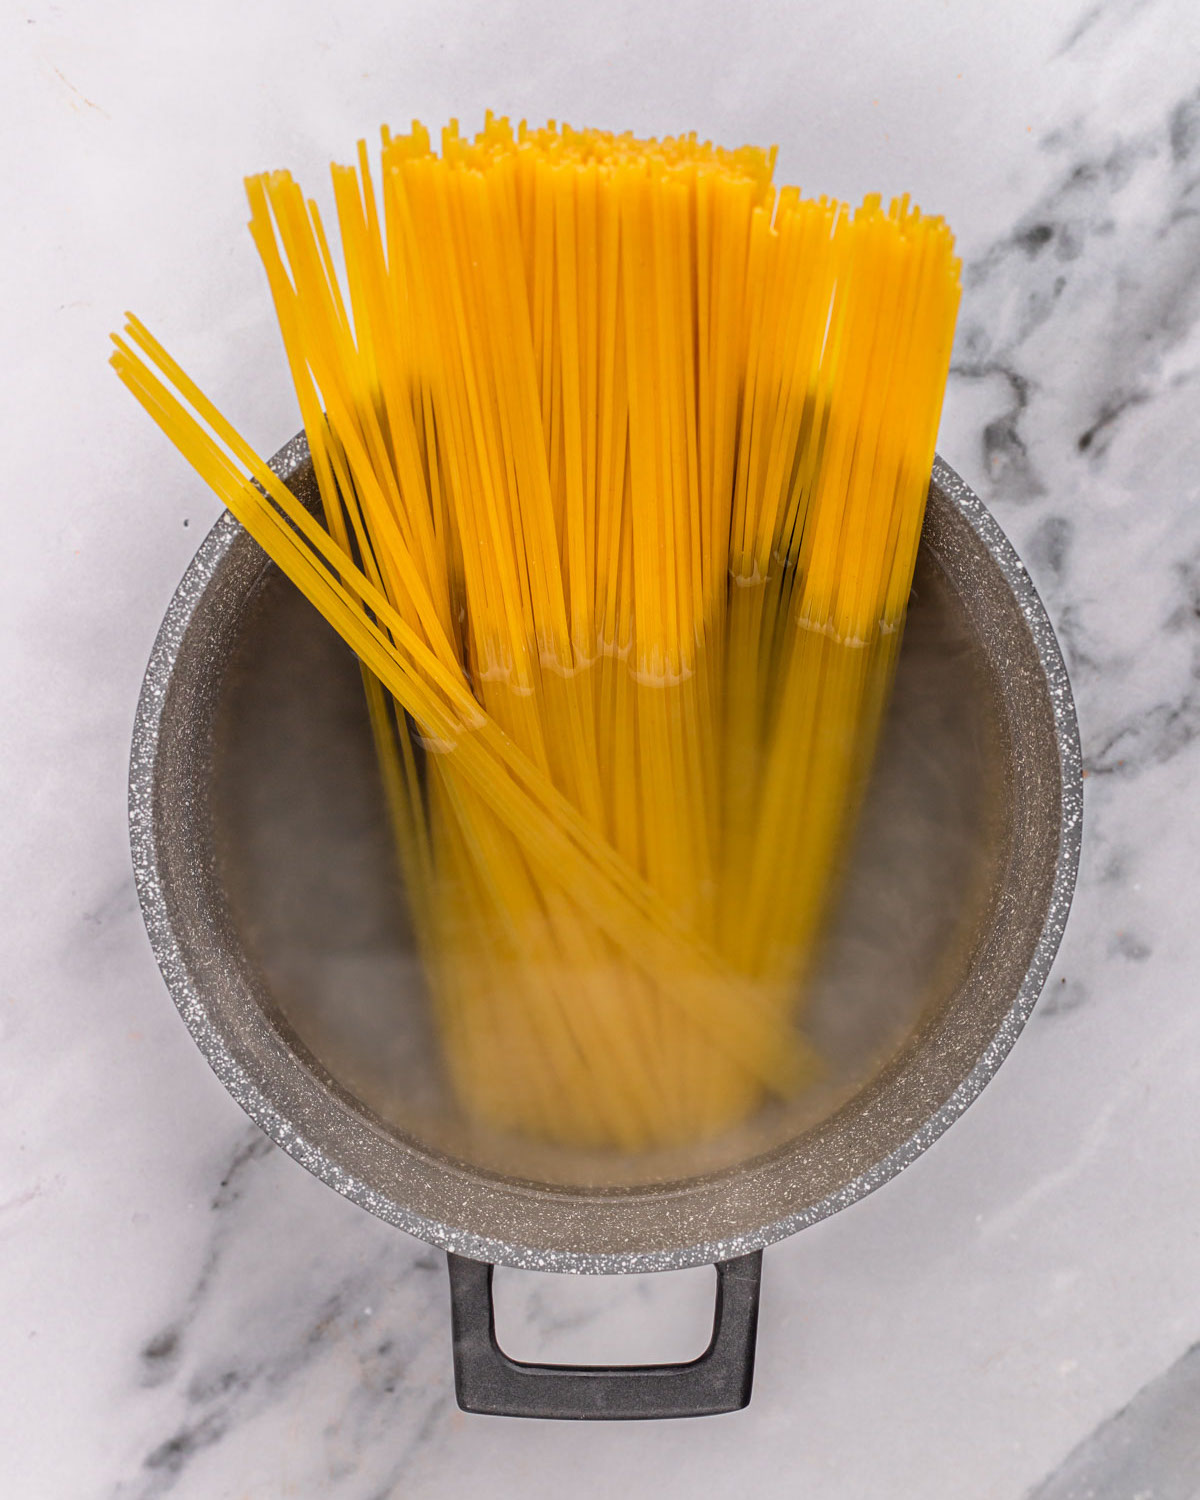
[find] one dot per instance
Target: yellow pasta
(623, 457)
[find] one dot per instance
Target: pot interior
(306, 863)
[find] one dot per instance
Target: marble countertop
(186, 1312)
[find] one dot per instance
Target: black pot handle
(487, 1380)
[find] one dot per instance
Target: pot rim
(324, 1163)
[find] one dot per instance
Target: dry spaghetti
(623, 457)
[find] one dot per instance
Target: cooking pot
(264, 871)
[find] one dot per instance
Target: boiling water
(309, 871)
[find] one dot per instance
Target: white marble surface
(185, 1311)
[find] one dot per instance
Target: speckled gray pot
(713, 1216)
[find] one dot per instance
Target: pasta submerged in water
(623, 457)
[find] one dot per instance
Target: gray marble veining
(1149, 1449)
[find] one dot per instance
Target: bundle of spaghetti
(622, 458)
